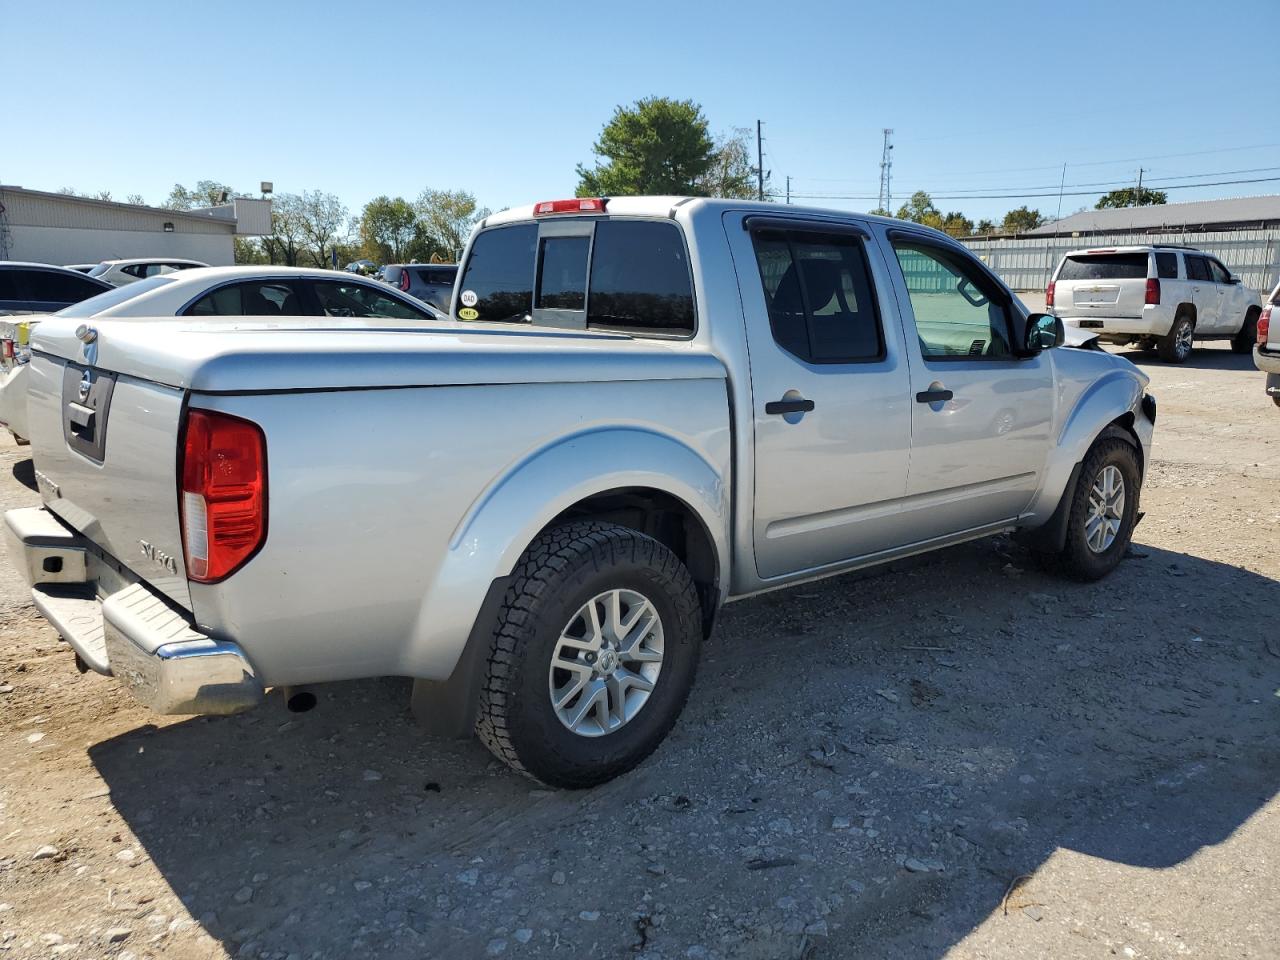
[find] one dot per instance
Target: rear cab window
(625, 275)
(1167, 266)
(1104, 266)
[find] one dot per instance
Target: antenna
(886, 172)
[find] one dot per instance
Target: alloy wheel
(1106, 509)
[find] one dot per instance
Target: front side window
(498, 283)
(339, 299)
(256, 298)
(640, 279)
(1220, 273)
(1167, 266)
(959, 312)
(822, 308)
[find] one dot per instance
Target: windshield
(111, 298)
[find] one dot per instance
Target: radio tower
(886, 172)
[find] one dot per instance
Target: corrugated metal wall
(43, 210)
(1026, 263)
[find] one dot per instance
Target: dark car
(429, 282)
(44, 288)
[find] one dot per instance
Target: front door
(830, 409)
(981, 417)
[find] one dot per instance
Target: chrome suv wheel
(1106, 509)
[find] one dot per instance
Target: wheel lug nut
(590, 658)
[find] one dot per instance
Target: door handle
(933, 396)
(788, 406)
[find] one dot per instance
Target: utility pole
(788, 188)
(1137, 197)
(759, 160)
(886, 171)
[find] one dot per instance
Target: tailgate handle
(81, 417)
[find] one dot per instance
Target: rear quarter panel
(391, 511)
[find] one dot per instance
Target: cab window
(959, 311)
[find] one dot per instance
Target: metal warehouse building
(61, 228)
(1243, 232)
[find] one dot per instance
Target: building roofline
(114, 204)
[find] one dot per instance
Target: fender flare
(517, 505)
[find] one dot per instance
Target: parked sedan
(429, 282)
(120, 272)
(214, 292)
(43, 288)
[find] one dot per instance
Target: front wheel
(593, 655)
(1104, 511)
(1243, 341)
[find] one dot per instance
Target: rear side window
(1167, 266)
(640, 278)
(9, 287)
(50, 287)
(1197, 268)
(498, 284)
(256, 298)
(822, 308)
(1105, 266)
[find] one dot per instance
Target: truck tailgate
(105, 452)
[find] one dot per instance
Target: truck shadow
(967, 710)
(1202, 358)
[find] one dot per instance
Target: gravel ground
(963, 758)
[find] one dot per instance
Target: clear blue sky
(504, 98)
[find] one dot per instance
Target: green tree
(387, 228)
(288, 232)
(656, 146)
(447, 216)
(1130, 197)
(249, 250)
(1021, 220)
(957, 224)
(206, 193)
(985, 227)
(920, 209)
(879, 212)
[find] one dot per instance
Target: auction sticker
(468, 313)
(469, 298)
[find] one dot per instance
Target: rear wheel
(593, 655)
(1243, 341)
(1104, 511)
(1175, 346)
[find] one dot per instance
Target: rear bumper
(120, 627)
(1268, 361)
(1121, 328)
(13, 401)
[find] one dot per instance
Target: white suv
(119, 272)
(1160, 297)
(1267, 353)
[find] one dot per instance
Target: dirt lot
(965, 758)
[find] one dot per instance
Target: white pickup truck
(640, 409)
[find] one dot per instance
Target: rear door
(1204, 292)
(829, 384)
(1101, 284)
(51, 290)
(981, 417)
(1230, 310)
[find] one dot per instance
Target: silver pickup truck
(640, 408)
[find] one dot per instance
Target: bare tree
(323, 218)
(287, 230)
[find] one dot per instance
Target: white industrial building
(62, 228)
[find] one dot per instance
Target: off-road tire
(563, 569)
(1168, 344)
(1243, 341)
(1076, 560)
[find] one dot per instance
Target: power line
(1020, 196)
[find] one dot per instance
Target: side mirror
(1044, 331)
(1233, 279)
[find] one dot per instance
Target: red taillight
(1048, 294)
(1153, 290)
(224, 494)
(1264, 324)
(404, 280)
(6, 349)
(580, 205)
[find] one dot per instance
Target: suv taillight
(6, 349)
(1048, 295)
(1153, 291)
(404, 280)
(1264, 325)
(224, 494)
